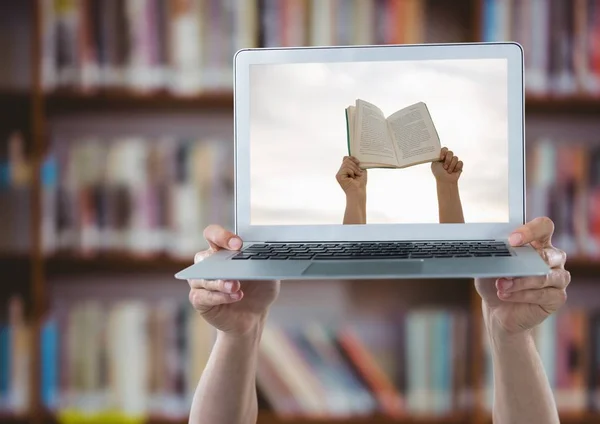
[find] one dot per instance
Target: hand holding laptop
(513, 305)
(510, 305)
(233, 307)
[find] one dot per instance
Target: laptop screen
(379, 142)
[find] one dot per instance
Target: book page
(415, 137)
(372, 142)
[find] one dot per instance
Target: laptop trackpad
(364, 267)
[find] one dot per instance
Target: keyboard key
(301, 257)
(241, 257)
(421, 255)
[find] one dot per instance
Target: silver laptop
(377, 162)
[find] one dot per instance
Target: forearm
(356, 209)
(449, 206)
(522, 393)
(226, 393)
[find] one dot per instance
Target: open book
(407, 137)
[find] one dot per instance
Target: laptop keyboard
(382, 250)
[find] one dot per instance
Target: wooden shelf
(267, 417)
(572, 418)
(68, 101)
(62, 264)
(583, 268)
(582, 105)
(13, 419)
(72, 101)
(270, 418)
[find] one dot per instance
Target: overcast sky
(298, 138)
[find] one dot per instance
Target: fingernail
(228, 286)
(504, 295)
(235, 243)
(507, 284)
(515, 238)
(235, 296)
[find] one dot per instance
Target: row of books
(317, 371)
(15, 350)
(140, 359)
(131, 358)
(560, 40)
(289, 23)
(15, 195)
(187, 46)
(569, 345)
(135, 195)
(564, 184)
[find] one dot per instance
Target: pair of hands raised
(510, 305)
(353, 179)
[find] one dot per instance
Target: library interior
(87, 240)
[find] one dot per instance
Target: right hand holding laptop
(234, 307)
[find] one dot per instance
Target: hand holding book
(351, 177)
(448, 169)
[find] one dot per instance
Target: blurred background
(116, 150)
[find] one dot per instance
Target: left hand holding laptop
(233, 307)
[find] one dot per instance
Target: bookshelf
(67, 102)
(34, 273)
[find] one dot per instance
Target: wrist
(356, 195)
(249, 337)
(500, 337)
(446, 184)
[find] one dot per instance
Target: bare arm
(226, 393)
(522, 392)
(449, 205)
(447, 171)
(512, 308)
(356, 209)
(353, 180)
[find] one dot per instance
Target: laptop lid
(299, 111)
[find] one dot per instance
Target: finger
(351, 169)
(448, 160)
(459, 166)
(557, 278)
(200, 256)
(203, 299)
(549, 298)
(225, 286)
(346, 171)
(452, 165)
(555, 258)
(353, 159)
(219, 238)
(538, 230)
(355, 164)
(443, 153)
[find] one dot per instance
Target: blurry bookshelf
(133, 202)
(559, 38)
(134, 196)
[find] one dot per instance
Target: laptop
(398, 208)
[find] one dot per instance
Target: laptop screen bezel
(244, 59)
